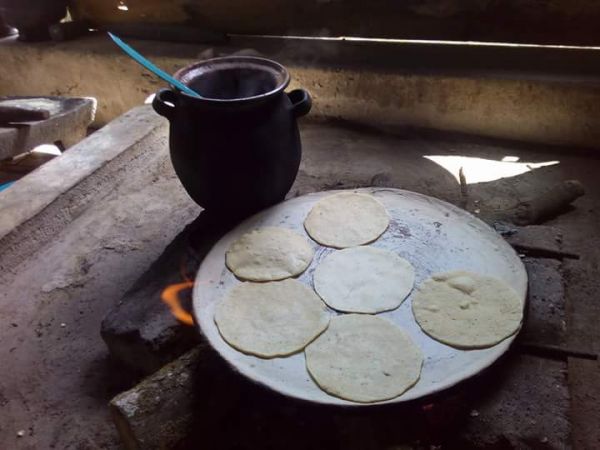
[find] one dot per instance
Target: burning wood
(163, 409)
(541, 208)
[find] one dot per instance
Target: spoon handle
(152, 68)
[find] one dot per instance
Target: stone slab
(536, 237)
(66, 125)
(41, 203)
(525, 406)
(546, 316)
(583, 307)
(162, 410)
(584, 384)
(140, 332)
(65, 269)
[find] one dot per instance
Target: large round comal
(434, 236)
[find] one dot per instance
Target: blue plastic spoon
(152, 68)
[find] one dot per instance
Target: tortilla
(364, 358)
(467, 310)
(271, 319)
(346, 220)
(269, 254)
(364, 280)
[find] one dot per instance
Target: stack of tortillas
(359, 356)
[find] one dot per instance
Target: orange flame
(171, 298)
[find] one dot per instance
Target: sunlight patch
(479, 170)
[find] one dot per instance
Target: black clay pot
(237, 149)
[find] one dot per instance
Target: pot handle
(301, 102)
(165, 102)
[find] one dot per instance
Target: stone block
(545, 322)
(66, 125)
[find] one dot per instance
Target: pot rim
(272, 66)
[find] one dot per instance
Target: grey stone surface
(64, 270)
(163, 409)
(140, 332)
(546, 322)
(583, 307)
(537, 236)
(523, 403)
(584, 384)
(67, 124)
(43, 202)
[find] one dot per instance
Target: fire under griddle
(192, 398)
(115, 233)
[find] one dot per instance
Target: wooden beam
(530, 21)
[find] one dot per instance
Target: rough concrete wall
(555, 110)
(554, 21)
(510, 109)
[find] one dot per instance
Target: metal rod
(554, 351)
(137, 57)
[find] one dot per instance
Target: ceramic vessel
(237, 149)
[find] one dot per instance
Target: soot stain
(399, 230)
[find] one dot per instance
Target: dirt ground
(56, 377)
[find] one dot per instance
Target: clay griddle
(433, 235)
